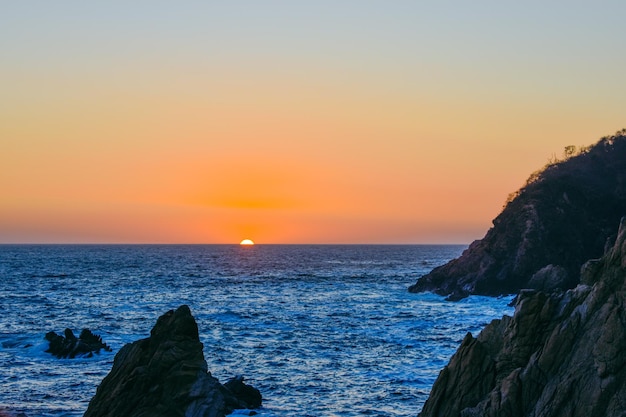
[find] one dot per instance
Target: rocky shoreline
(562, 354)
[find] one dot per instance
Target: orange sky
(211, 124)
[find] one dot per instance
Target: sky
(291, 121)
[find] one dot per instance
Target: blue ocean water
(321, 330)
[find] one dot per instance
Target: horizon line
(219, 244)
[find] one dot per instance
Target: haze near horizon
(285, 122)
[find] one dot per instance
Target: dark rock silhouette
(246, 394)
(561, 354)
(164, 375)
(563, 216)
(70, 346)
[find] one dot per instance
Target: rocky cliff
(166, 375)
(562, 354)
(548, 229)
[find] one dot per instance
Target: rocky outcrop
(246, 394)
(549, 228)
(165, 375)
(562, 354)
(70, 346)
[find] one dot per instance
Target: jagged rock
(164, 375)
(70, 346)
(549, 278)
(564, 216)
(248, 395)
(561, 354)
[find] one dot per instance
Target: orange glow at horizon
(326, 129)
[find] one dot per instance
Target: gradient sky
(292, 121)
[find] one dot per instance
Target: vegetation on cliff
(562, 216)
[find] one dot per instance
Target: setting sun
(348, 128)
(246, 242)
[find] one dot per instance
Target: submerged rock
(563, 216)
(8, 413)
(164, 375)
(70, 346)
(562, 354)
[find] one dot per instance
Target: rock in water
(560, 219)
(164, 375)
(561, 355)
(70, 346)
(244, 393)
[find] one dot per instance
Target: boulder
(562, 354)
(164, 375)
(562, 217)
(247, 395)
(70, 346)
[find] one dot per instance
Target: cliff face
(166, 375)
(561, 218)
(561, 354)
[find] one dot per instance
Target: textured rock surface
(559, 220)
(70, 346)
(164, 375)
(561, 354)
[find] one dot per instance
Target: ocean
(320, 330)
